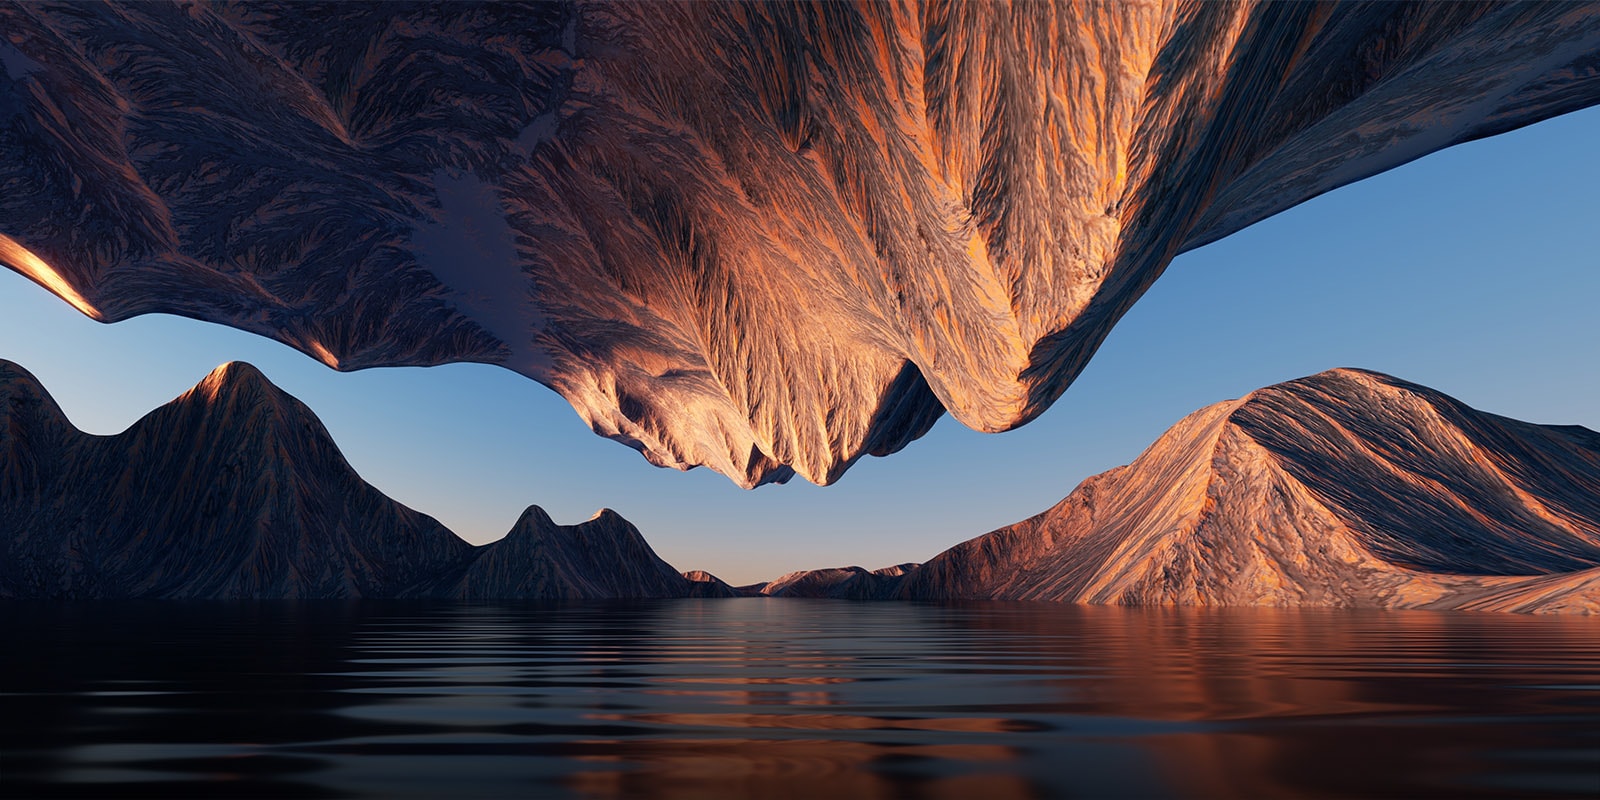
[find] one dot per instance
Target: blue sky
(1475, 270)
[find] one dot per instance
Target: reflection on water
(791, 698)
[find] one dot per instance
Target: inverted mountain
(768, 237)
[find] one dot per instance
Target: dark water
(791, 698)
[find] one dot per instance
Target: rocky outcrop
(235, 490)
(766, 237)
(704, 584)
(1347, 488)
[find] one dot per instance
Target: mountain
(1347, 488)
(839, 583)
(605, 557)
(770, 237)
(704, 584)
(235, 490)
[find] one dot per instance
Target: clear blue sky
(1475, 270)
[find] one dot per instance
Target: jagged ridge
(766, 237)
(235, 490)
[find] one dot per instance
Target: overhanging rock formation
(766, 238)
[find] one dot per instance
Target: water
(791, 698)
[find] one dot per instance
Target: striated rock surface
(765, 237)
(1347, 488)
(235, 490)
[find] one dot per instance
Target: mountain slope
(1347, 488)
(604, 557)
(767, 237)
(235, 490)
(839, 583)
(232, 490)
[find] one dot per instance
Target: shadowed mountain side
(601, 558)
(235, 490)
(766, 237)
(1347, 488)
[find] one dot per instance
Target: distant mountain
(843, 583)
(601, 558)
(704, 584)
(235, 490)
(1347, 488)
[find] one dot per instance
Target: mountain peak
(534, 518)
(13, 373)
(235, 376)
(1348, 487)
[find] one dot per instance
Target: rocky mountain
(704, 584)
(840, 583)
(605, 557)
(1347, 488)
(235, 490)
(767, 237)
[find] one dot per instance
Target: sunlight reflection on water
(792, 698)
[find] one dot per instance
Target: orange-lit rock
(1347, 488)
(768, 238)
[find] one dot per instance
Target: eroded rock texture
(764, 237)
(1348, 488)
(235, 490)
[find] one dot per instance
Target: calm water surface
(791, 698)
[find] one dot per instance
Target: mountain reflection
(780, 698)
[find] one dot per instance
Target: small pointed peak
(607, 515)
(237, 371)
(533, 518)
(235, 375)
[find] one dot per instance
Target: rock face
(235, 490)
(765, 237)
(1347, 488)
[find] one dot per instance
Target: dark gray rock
(235, 490)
